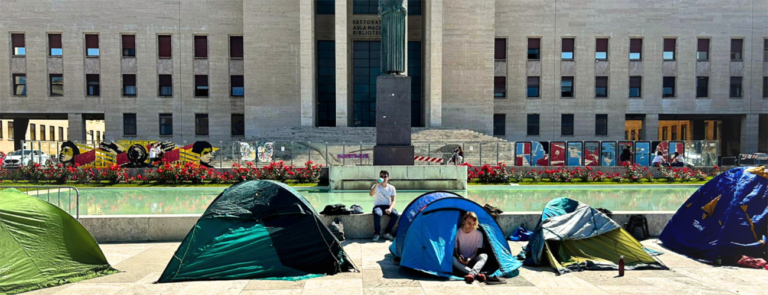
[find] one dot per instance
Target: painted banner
(575, 153)
(626, 150)
(266, 150)
(539, 155)
(247, 152)
(523, 154)
(608, 154)
(134, 153)
(643, 153)
(676, 147)
(558, 153)
(592, 153)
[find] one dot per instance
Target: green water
(521, 199)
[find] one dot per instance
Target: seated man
(466, 256)
(383, 195)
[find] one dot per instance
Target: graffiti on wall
(352, 156)
(266, 150)
(591, 153)
(574, 153)
(135, 153)
(247, 152)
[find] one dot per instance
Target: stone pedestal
(393, 121)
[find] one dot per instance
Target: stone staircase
(367, 135)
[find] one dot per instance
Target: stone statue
(392, 14)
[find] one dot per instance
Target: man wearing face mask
(383, 195)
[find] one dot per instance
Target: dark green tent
(43, 246)
(257, 229)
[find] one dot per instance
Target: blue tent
(426, 236)
(725, 218)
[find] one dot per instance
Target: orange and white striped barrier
(427, 159)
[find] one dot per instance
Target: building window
(201, 124)
(566, 124)
(19, 47)
(57, 85)
(669, 87)
(129, 124)
(601, 125)
(327, 7)
(166, 124)
(499, 124)
(365, 6)
(366, 69)
(10, 130)
(98, 135)
(568, 49)
(238, 86)
(129, 45)
(765, 87)
(414, 71)
(326, 83)
(499, 87)
(765, 50)
(19, 85)
(533, 124)
(635, 49)
(664, 133)
(42, 132)
(238, 124)
(92, 45)
(54, 44)
(601, 49)
(164, 48)
(669, 49)
(534, 48)
(533, 87)
(683, 132)
(736, 87)
(129, 85)
(674, 133)
(566, 87)
(91, 134)
(702, 87)
(635, 86)
(414, 7)
(1, 130)
(201, 85)
(166, 85)
(32, 132)
(61, 134)
(601, 86)
(702, 49)
(736, 45)
(236, 47)
(201, 46)
(500, 49)
(93, 88)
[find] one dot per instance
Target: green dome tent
(257, 229)
(42, 246)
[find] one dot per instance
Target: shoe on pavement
(375, 238)
(480, 278)
(494, 280)
(469, 279)
(388, 236)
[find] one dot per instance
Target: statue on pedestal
(392, 14)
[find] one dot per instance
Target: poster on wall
(660, 146)
(265, 151)
(591, 153)
(523, 154)
(676, 147)
(575, 153)
(539, 155)
(557, 157)
(643, 153)
(135, 153)
(608, 154)
(626, 151)
(247, 152)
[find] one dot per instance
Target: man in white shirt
(383, 195)
(153, 154)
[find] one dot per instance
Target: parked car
(17, 158)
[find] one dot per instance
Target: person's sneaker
(469, 279)
(480, 278)
(388, 236)
(375, 238)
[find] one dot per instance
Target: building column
(762, 137)
(19, 132)
(749, 133)
(342, 62)
(307, 61)
(651, 127)
(76, 127)
(433, 64)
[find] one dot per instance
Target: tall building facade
(520, 70)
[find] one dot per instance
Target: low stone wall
(173, 228)
(402, 177)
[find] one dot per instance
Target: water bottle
(381, 180)
(621, 265)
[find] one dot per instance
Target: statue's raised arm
(392, 14)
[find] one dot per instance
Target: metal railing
(59, 196)
(225, 154)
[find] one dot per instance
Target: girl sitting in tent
(469, 241)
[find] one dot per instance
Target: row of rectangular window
(164, 47)
(166, 124)
(365, 7)
(568, 50)
(33, 132)
(93, 85)
(566, 124)
(635, 87)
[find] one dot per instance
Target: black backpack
(337, 229)
(335, 209)
(493, 211)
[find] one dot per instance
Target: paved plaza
(141, 264)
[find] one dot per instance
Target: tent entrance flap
(434, 240)
(600, 252)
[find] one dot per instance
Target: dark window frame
(533, 124)
(563, 92)
(702, 92)
(164, 46)
(50, 80)
(665, 85)
(530, 86)
(601, 128)
(237, 127)
(534, 48)
(371, 7)
(736, 90)
(598, 49)
(201, 46)
(18, 44)
(568, 46)
(129, 124)
(326, 83)
(161, 85)
(325, 7)
(93, 85)
(567, 122)
(499, 87)
(32, 132)
(202, 86)
(235, 82)
(202, 125)
(128, 43)
(42, 133)
(598, 93)
(17, 85)
(127, 83)
(639, 51)
(53, 40)
(236, 48)
(702, 43)
(61, 134)
(737, 49)
(665, 49)
(10, 130)
(168, 124)
(499, 124)
(500, 49)
(639, 88)
(94, 41)
(415, 7)
(765, 87)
